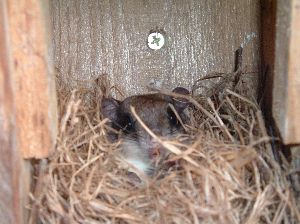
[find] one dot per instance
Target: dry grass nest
(225, 171)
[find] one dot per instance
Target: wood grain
(13, 191)
(286, 92)
(95, 37)
(33, 83)
(27, 103)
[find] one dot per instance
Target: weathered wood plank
(110, 37)
(10, 159)
(33, 82)
(286, 91)
(27, 103)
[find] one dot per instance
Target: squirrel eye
(128, 123)
(172, 117)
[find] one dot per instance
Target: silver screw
(156, 40)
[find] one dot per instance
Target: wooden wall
(109, 37)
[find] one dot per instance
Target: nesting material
(225, 170)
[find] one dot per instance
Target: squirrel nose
(155, 149)
(155, 152)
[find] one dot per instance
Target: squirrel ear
(180, 103)
(181, 90)
(109, 108)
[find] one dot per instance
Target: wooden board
(32, 80)
(286, 91)
(27, 103)
(94, 37)
(13, 173)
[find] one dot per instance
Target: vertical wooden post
(33, 80)
(10, 159)
(27, 101)
(286, 91)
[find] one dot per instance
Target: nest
(225, 172)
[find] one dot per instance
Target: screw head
(156, 40)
